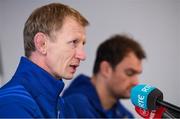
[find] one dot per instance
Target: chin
(69, 77)
(125, 96)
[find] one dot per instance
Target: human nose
(80, 54)
(135, 81)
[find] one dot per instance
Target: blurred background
(153, 23)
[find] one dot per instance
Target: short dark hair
(114, 49)
(46, 19)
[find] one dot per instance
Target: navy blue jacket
(86, 103)
(33, 93)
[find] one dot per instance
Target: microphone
(153, 114)
(142, 112)
(150, 98)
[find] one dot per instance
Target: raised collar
(38, 81)
(83, 85)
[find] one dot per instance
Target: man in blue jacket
(54, 38)
(117, 66)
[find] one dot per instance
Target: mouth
(74, 67)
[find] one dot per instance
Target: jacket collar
(38, 81)
(83, 85)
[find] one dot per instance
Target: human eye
(84, 42)
(74, 43)
(130, 72)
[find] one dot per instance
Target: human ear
(106, 69)
(40, 42)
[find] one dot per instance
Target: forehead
(70, 23)
(131, 62)
(71, 28)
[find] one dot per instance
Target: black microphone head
(145, 96)
(155, 95)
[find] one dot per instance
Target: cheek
(120, 81)
(115, 81)
(120, 77)
(65, 59)
(68, 55)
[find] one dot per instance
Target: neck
(106, 97)
(39, 60)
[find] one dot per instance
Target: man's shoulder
(81, 84)
(81, 105)
(123, 111)
(81, 78)
(15, 101)
(16, 94)
(77, 98)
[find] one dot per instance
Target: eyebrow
(134, 71)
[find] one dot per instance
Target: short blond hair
(46, 19)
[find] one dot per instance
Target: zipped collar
(82, 84)
(38, 81)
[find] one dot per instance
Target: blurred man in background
(117, 66)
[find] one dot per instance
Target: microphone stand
(170, 107)
(166, 114)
